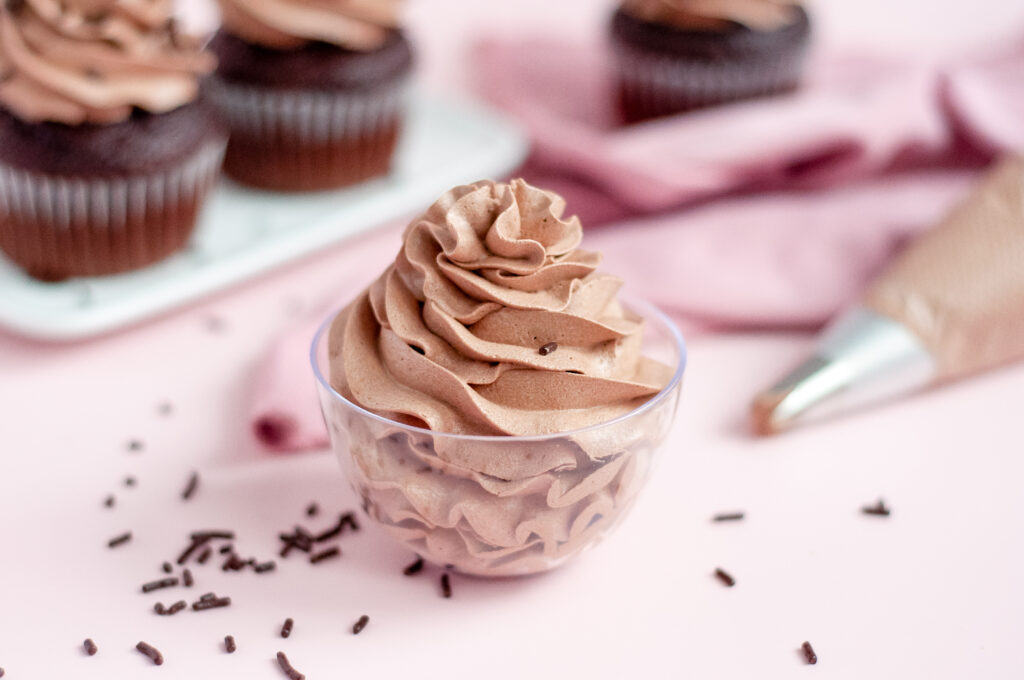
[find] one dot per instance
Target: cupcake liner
(307, 140)
(55, 227)
(654, 85)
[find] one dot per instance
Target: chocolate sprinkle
(879, 509)
(265, 567)
(229, 644)
(205, 555)
(90, 647)
(129, 481)
(725, 578)
(1, 672)
(119, 540)
(325, 555)
(414, 568)
(190, 488)
(203, 605)
(360, 624)
(162, 583)
(213, 533)
(346, 520)
(225, 549)
(196, 544)
(312, 510)
(446, 586)
(548, 348)
(186, 578)
(728, 517)
(809, 654)
(207, 596)
(109, 501)
(167, 568)
(165, 408)
(286, 629)
(135, 445)
(152, 652)
(172, 610)
(288, 669)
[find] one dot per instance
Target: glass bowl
(569, 491)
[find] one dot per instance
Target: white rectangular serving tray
(244, 232)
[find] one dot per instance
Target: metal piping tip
(781, 406)
(861, 358)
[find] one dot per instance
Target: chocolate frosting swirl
(448, 337)
(94, 61)
(715, 15)
(361, 25)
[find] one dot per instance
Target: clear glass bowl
(578, 486)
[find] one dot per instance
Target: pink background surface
(933, 591)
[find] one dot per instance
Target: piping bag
(951, 305)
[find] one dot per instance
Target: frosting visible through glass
(715, 15)
(361, 25)
(94, 61)
(450, 338)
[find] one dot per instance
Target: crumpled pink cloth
(815, 190)
(854, 117)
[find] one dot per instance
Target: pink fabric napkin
(855, 116)
(816, 191)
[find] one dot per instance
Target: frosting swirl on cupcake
(450, 336)
(713, 15)
(94, 61)
(360, 25)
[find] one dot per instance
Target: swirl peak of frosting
(94, 61)
(360, 25)
(714, 15)
(449, 337)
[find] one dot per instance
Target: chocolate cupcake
(106, 153)
(313, 91)
(674, 56)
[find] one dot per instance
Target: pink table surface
(934, 591)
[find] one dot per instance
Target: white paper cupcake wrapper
(105, 202)
(308, 116)
(666, 82)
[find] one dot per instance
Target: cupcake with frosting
(107, 152)
(674, 56)
(313, 90)
(515, 406)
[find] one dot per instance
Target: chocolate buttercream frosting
(95, 61)
(450, 336)
(493, 322)
(360, 25)
(714, 15)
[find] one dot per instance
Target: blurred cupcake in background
(106, 152)
(313, 90)
(674, 56)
